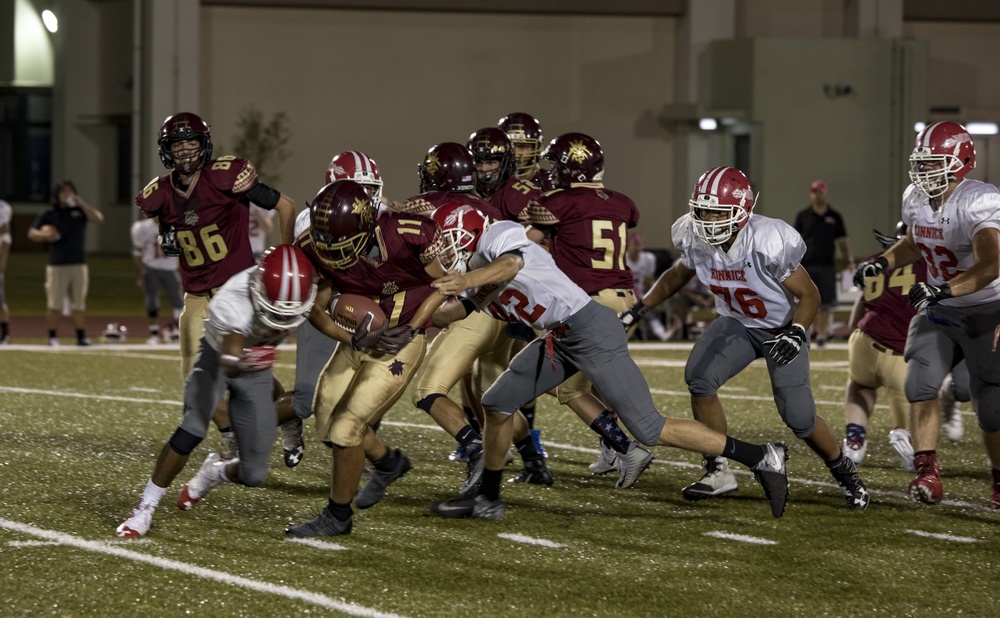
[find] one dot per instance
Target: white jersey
(540, 295)
(642, 269)
(6, 213)
(231, 311)
(746, 281)
(945, 236)
(258, 233)
(145, 242)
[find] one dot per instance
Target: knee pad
(183, 442)
(427, 402)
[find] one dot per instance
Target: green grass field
(81, 429)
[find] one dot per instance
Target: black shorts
(825, 278)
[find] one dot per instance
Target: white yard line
(319, 544)
(944, 537)
(742, 538)
(529, 540)
(195, 571)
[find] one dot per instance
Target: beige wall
(393, 84)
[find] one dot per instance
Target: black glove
(363, 338)
(786, 346)
(871, 267)
(633, 315)
(922, 294)
(396, 338)
(168, 241)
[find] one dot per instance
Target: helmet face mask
(943, 152)
(283, 288)
(175, 152)
(721, 204)
(359, 167)
(525, 133)
(342, 223)
(491, 145)
(461, 226)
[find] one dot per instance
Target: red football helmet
(492, 144)
(724, 190)
(181, 127)
(525, 132)
(574, 157)
(283, 288)
(944, 143)
(461, 226)
(448, 166)
(342, 219)
(359, 167)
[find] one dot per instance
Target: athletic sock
(526, 448)
(529, 414)
(387, 463)
(151, 494)
(470, 416)
(490, 485)
(606, 426)
(747, 454)
(341, 512)
(4, 329)
(80, 334)
(52, 333)
(467, 435)
(855, 432)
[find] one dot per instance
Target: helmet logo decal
(338, 171)
(578, 153)
(432, 163)
(360, 208)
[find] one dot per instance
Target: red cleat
(927, 486)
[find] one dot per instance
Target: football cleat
(606, 461)
(718, 480)
(138, 523)
(325, 524)
(474, 473)
(459, 455)
(292, 442)
(210, 475)
(899, 439)
(846, 474)
(770, 473)
(632, 464)
(855, 449)
(535, 472)
(951, 415)
(927, 486)
(478, 507)
(374, 489)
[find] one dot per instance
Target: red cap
(817, 185)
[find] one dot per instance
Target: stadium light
(50, 20)
(919, 126)
(708, 124)
(982, 128)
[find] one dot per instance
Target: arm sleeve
(263, 196)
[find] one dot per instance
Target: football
(349, 310)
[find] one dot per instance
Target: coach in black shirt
(64, 228)
(822, 228)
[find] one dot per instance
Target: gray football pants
(313, 351)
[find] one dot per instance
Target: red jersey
(395, 275)
(513, 197)
(212, 222)
(588, 226)
(887, 307)
(426, 203)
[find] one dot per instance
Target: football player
(448, 175)
(586, 226)
(203, 207)
(392, 258)
(248, 316)
(953, 225)
(525, 132)
(496, 268)
(766, 303)
(878, 324)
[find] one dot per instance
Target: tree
(263, 142)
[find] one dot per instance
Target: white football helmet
(115, 333)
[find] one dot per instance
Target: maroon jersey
(426, 203)
(212, 222)
(588, 225)
(395, 277)
(513, 197)
(887, 307)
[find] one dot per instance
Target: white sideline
(197, 571)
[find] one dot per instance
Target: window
(25, 143)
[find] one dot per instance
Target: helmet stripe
(296, 279)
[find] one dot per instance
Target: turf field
(80, 429)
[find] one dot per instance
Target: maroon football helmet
(574, 157)
(343, 220)
(283, 288)
(492, 144)
(359, 167)
(525, 132)
(724, 190)
(448, 166)
(944, 143)
(181, 127)
(461, 226)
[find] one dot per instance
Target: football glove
(922, 294)
(871, 267)
(633, 315)
(786, 346)
(396, 338)
(168, 241)
(363, 338)
(257, 358)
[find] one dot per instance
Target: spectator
(155, 270)
(821, 228)
(5, 217)
(64, 228)
(643, 266)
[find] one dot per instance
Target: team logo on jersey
(432, 163)
(190, 218)
(389, 288)
(578, 152)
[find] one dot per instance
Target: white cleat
(899, 439)
(210, 475)
(138, 523)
